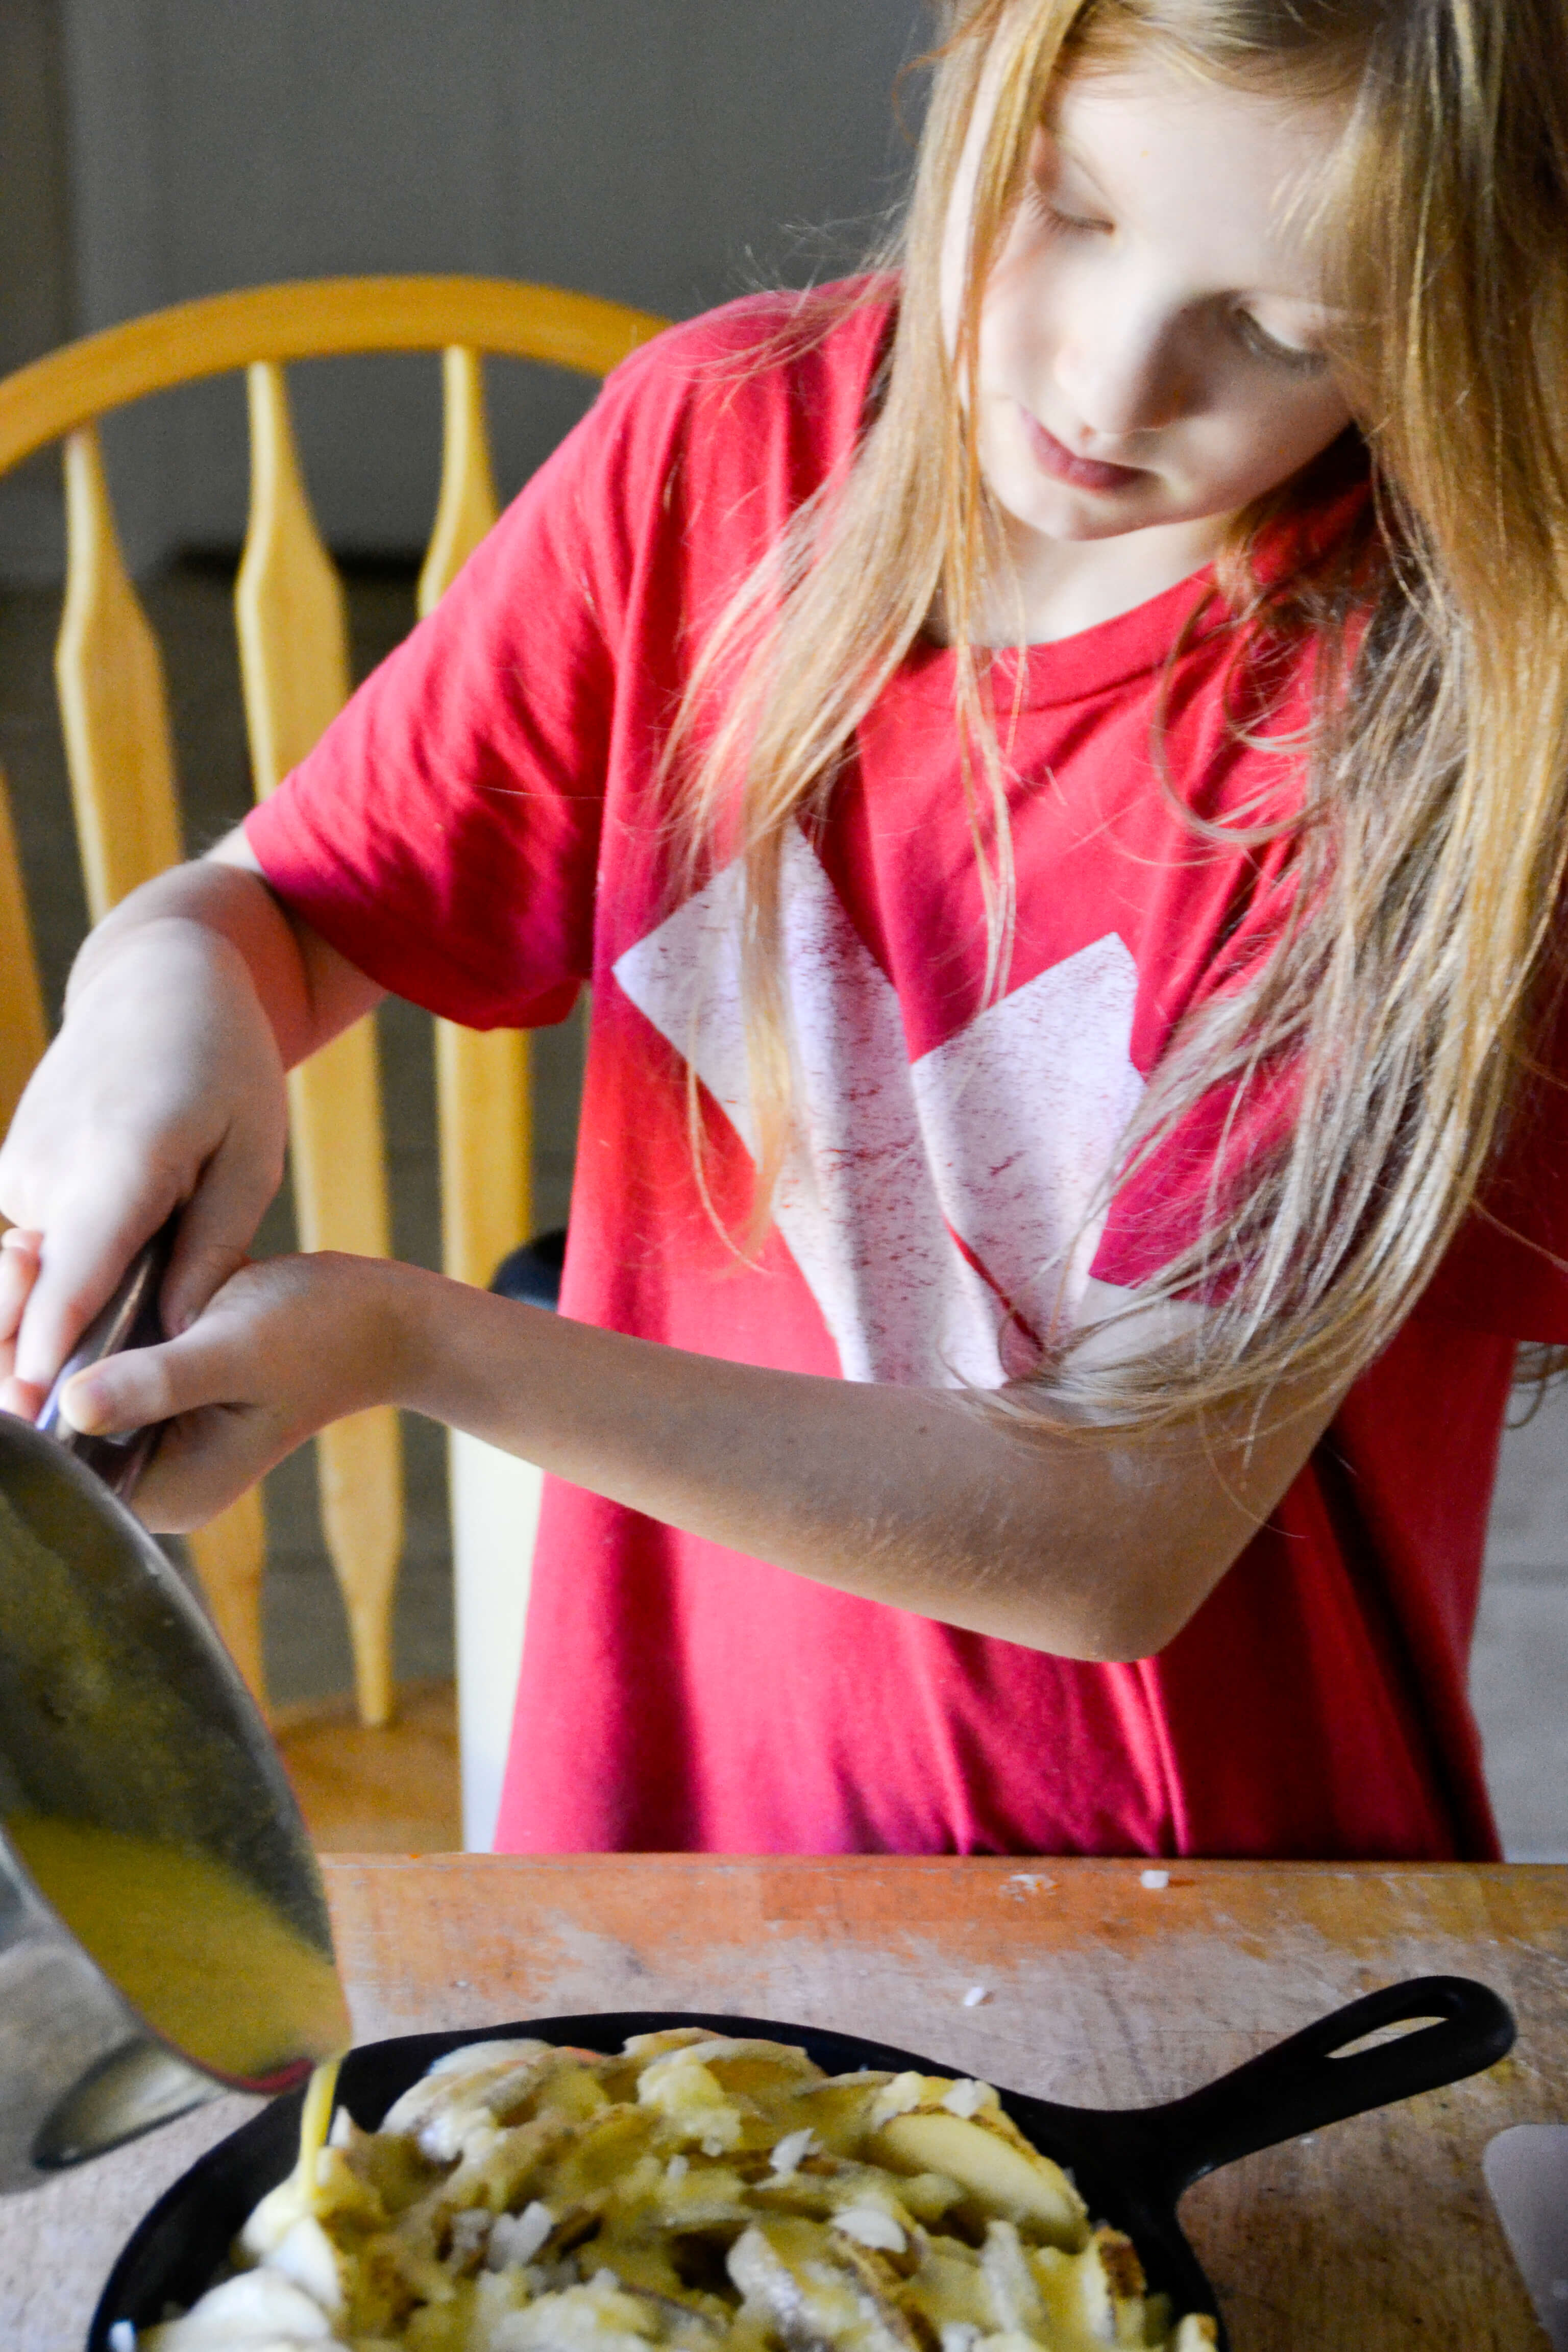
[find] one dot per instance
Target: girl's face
(1150, 349)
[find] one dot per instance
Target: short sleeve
(444, 833)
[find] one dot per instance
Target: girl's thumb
(129, 1391)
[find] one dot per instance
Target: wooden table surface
(1373, 2234)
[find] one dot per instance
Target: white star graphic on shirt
(929, 1197)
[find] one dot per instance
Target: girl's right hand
(285, 1347)
(164, 1087)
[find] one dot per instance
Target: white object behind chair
(495, 1518)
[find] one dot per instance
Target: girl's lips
(1084, 473)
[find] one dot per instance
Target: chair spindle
(467, 504)
(114, 714)
(292, 624)
(113, 707)
(24, 1032)
(482, 1076)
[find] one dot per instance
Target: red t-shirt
(478, 831)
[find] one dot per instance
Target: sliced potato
(994, 2164)
(307, 2255)
(1011, 2285)
(823, 2186)
(839, 2110)
(619, 2075)
(1196, 2333)
(471, 2058)
(257, 2307)
(446, 2112)
(815, 2294)
(756, 2070)
(599, 2154)
(692, 2104)
(697, 2193)
(598, 2317)
(1098, 2297)
(948, 2288)
(915, 2094)
(642, 2049)
(384, 2288)
(707, 2197)
(371, 2176)
(501, 2166)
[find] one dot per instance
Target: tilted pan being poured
(164, 1932)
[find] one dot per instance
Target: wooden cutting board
(1097, 1989)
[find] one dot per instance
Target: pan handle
(1305, 2082)
(130, 1319)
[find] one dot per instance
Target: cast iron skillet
(1131, 2164)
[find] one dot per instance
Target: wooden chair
(294, 664)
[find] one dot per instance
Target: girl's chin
(1041, 508)
(1078, 516)
(1035, 503)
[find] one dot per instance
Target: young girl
(1053, 762)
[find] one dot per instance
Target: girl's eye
(1075, 223)
(1263, 346)
(1057, 217)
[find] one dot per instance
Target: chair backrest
(291, 622)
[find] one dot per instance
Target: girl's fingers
(151, 1384)
(19, 1397)
(83, 1255)
(218, 1225)
(128, 1392)
(285, 1347)
(18, 1274)
(268, 1339)
(216, 1441)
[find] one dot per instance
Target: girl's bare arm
(164, 1087)
(1091, 1550)
(914, 1496)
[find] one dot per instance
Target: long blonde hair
(1433, 824)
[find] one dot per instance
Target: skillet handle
(130, 1319)
(1301, 2084)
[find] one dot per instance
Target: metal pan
(120, 1711)
(1131, 2164)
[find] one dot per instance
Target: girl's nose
(1122, 376)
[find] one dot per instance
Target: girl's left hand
(286, 1346)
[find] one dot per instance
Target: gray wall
(666, 152)
(36, 309)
